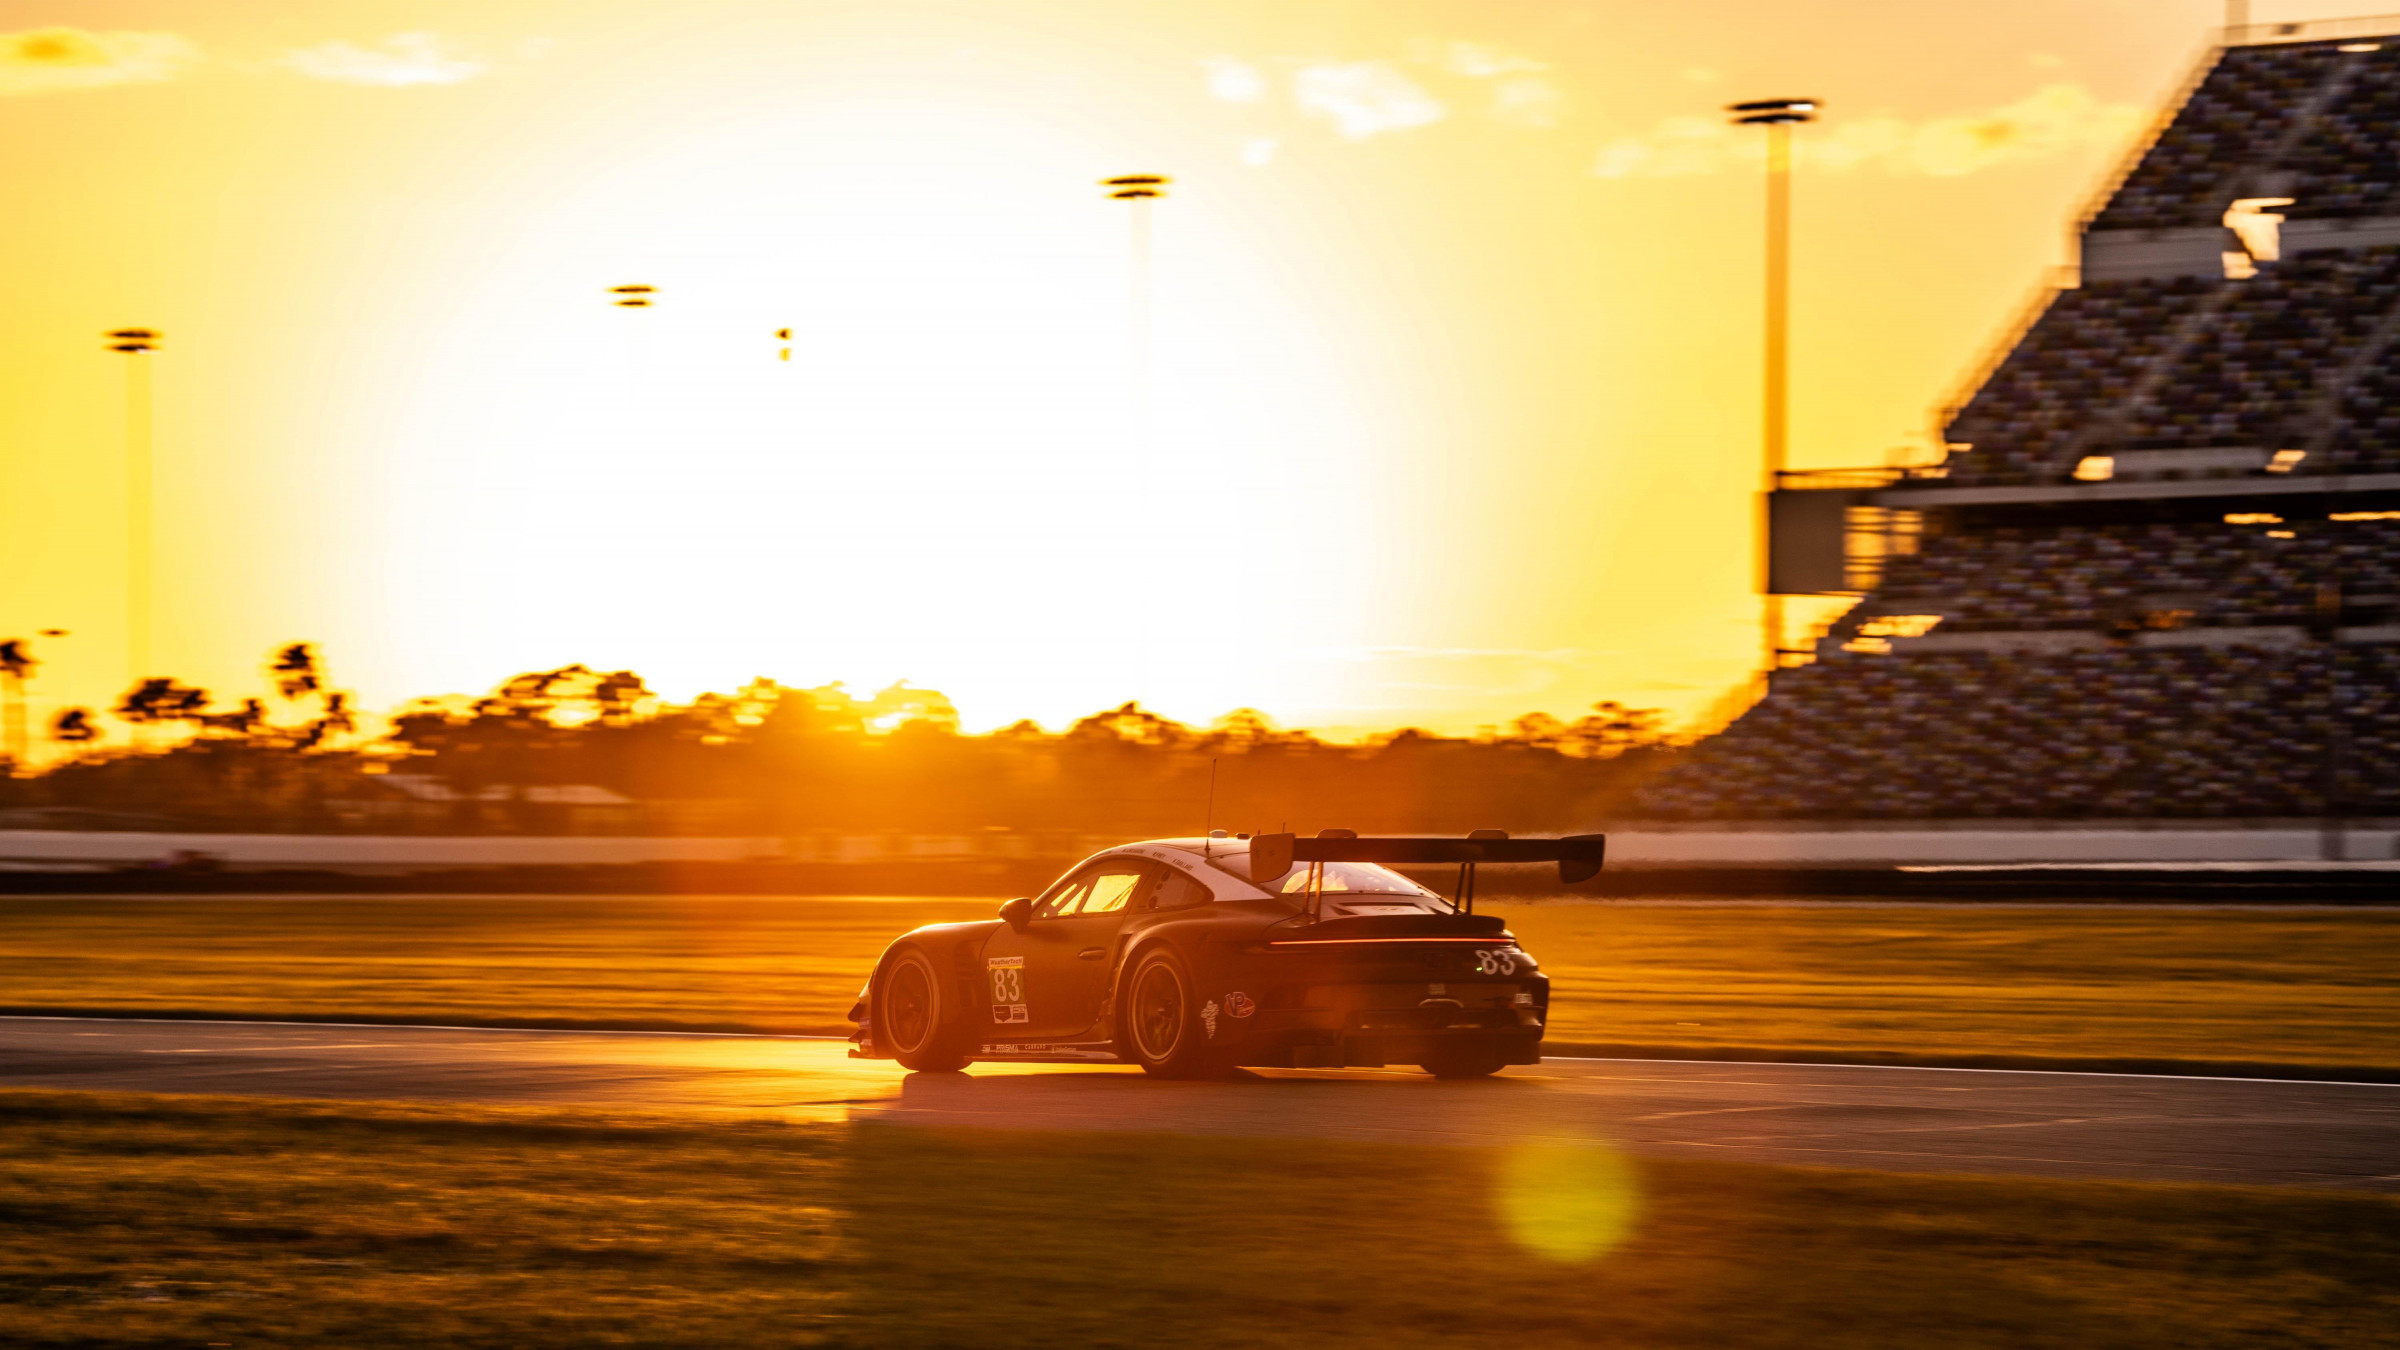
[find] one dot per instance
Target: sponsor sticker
(1239, 1004)
(1208, 1018)
(1009, 1014)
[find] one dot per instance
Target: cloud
(1528, 100)
(403, 59)
(2052, 120)
(1676, 148)
(1478, 62)
(45, 60)
(1364, 98)
(1233, 80)
(1258, 150)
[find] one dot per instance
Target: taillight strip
(1347, 942)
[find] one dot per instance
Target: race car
(1191, 957)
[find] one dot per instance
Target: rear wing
(1578, 855)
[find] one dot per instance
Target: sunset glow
(1454, 357)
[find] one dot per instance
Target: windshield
(1340, 878)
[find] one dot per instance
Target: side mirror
(1018, 912)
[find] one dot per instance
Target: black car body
(1167, 954)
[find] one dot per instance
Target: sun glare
(1568, 1202)
(944, 481)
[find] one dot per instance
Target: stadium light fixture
(1778, 116)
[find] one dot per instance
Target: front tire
(914, 1016)
(1160, 1027)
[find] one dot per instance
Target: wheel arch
(1143, 944)
(944, 944)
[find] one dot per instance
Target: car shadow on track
(1327, 1104)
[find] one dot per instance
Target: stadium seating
(2123, 731)
(2253, 371)
(2348, 163)
(2117, 576)
(2238, 116)
(2208, 635)
(2086, 351)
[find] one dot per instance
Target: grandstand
(2157, 573)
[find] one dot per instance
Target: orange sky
(1455, 346)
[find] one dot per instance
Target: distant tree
(160, 700)
(1132, 724)
(296, 672)
(1611, 729)
(334, 721)
(73, 726)
(16, 666)
(246, 721)
(1538, 728)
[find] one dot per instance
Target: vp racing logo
(1007, 974)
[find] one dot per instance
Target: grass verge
(145, 1221)
(1947, 984)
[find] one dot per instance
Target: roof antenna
(1208, 816)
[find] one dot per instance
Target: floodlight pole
(137, 344)
(1139, 190)
(1778, 116)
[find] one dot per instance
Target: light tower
(1778, 116)
(136, 344)
(1140, 189)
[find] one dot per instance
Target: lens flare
(1568, 1202)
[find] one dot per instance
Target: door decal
(1007, 974)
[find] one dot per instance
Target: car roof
(1189, 856)
(1196, 844)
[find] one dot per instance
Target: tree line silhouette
(582, 750)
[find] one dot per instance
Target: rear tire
(1465, 1062)
(1160, 1027)
(914, 1017)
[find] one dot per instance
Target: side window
(1102, 888)
(1113, 887)
(1178, 891)
(1065, 896)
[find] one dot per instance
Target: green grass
(134, 1221)
(2291, 986)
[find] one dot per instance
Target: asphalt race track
(2248, 1131)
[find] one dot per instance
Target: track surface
(2045, 1124)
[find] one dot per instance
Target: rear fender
(1211, 948)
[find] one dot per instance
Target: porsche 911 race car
(1193, 956)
